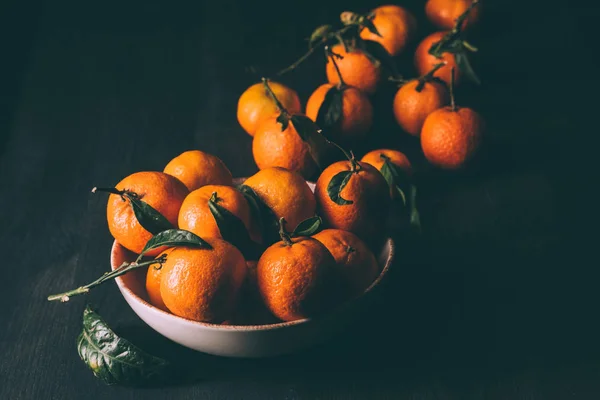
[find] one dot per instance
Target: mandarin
(295, 278)
(424, 62)
(443, 13)
(356, 67)
(356, 265)
(203, 284)
(195, 215)
(395, 24)
(255, 104)
(285, 192)
(196, 168)
(366, 197)
(162, 192)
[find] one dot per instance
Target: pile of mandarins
(278, 248)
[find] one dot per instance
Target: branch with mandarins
(348, 35)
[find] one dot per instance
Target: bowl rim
(263, 327)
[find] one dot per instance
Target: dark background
(497, 299)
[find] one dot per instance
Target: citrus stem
(348, 155)
(275, 99)
(121, 270)
(333, 56)
(469, 46)
(459, 21)
(452, 102)
(213, 197)
(332, 35)
(299, 61)
(428, 77)
(285, 237)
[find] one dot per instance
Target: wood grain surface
(495, 301)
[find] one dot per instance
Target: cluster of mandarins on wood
(273, 247)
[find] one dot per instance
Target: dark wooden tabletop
(496, 299)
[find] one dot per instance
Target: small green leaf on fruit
(113, 359)
(233, 230)
(175, 237)
(336, 185)
(268, 222)
(308, 227)
(150, 219)
(331, 111)
(462, 61)
(310, 133)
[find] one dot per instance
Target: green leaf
(175, 237)
(150, 219)
(308, 227)
(336, 185)
(310, 133)
(233, 230)
(319, 34)
(269, 224)
(415, 219)
(377, 53)
(462, 61)
(112, 359)
(331, 111)
(368, 23)
(284, 120)
(394, 176)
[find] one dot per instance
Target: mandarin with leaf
(255, 104)
(203, 284)
(285, 193)
(425, 62)
(357, 68)
(295, 277)
(418, 98)
(195, 214)
(396, 27)
(163, 193)
(343, 112)
(353, 196)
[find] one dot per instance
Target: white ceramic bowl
(243, 340)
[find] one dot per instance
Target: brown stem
(461, 18)
(348, 155)
(300, 60)
(452, 102)
(285, 237)
(121, 270)
(275, 99)
(213, 197)
(428, 77)
(333, 56)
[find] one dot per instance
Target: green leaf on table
(462, 61)
(175, 237)
(311, 134)
(233, 229)
(112, 359)
(336, 185)
(268, 222)
(150, 219)
(308, 227)
(331, 110)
